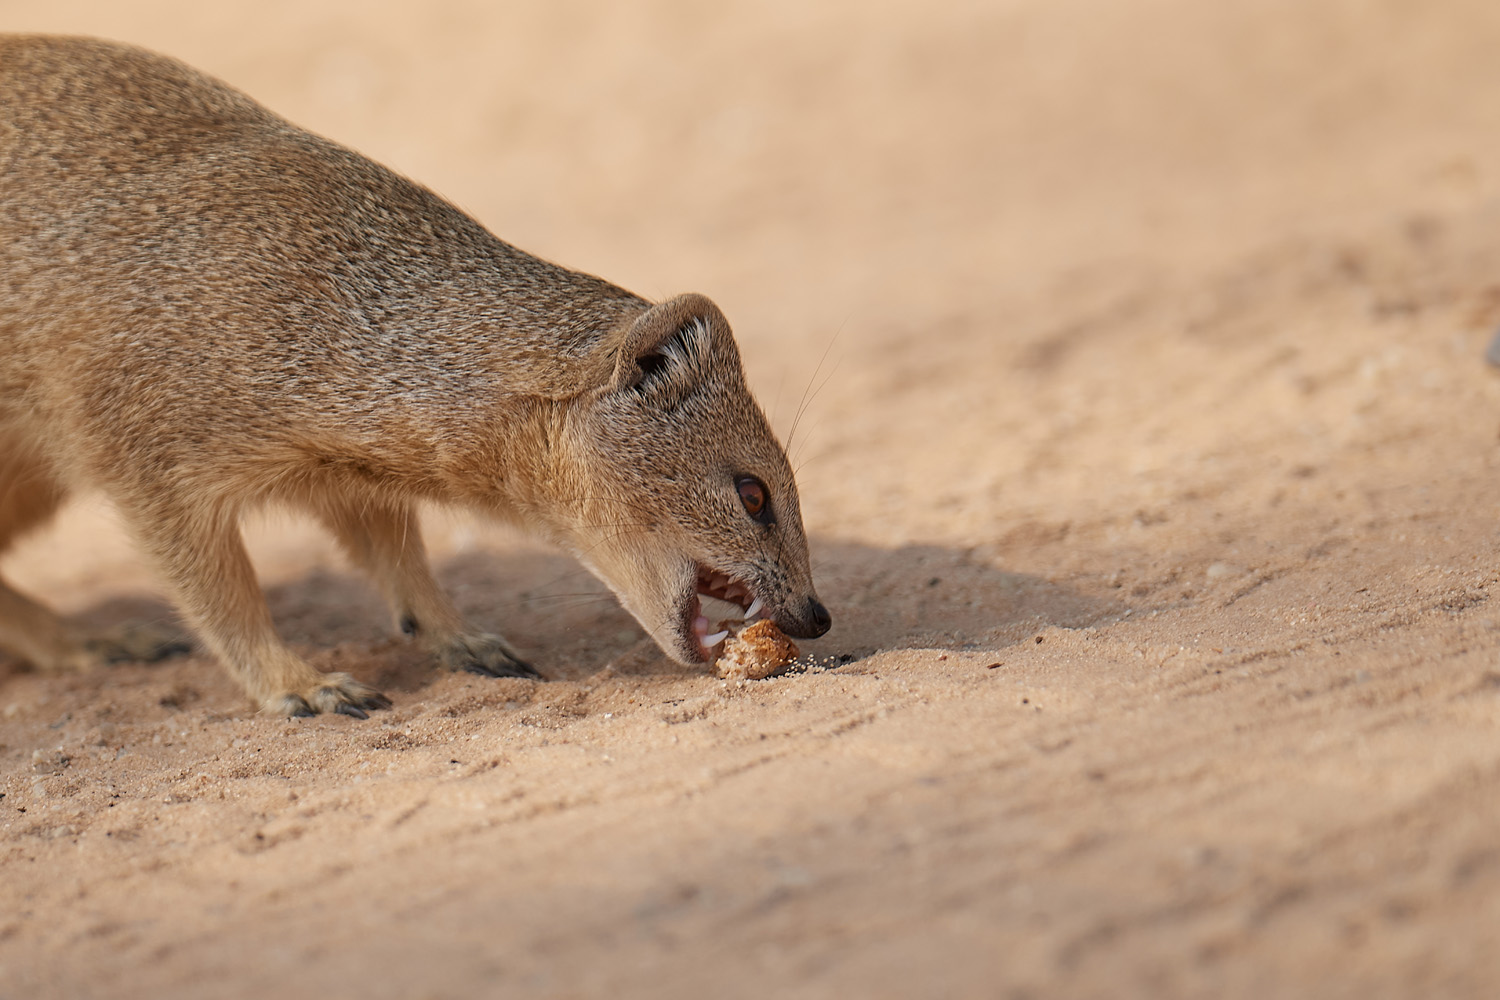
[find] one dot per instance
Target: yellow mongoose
(205, 308)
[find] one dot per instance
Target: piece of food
(757, 652)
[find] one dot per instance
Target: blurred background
(925, 185)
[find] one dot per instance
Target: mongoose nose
(821, 620)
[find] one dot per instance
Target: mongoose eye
(753, 495)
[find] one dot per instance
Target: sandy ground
(1149, 459)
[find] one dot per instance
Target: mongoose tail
(204, 309)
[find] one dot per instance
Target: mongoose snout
(817, 621)
(205, 309)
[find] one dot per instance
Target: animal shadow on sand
(571, 626)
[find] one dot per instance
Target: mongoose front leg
(204, 556)
(384, 539)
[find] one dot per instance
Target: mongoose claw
(336, 693)
(514, 668)
(293, 706)
(488, 656)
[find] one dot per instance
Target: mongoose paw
(138, 644)
(337, 693)
(487, 655)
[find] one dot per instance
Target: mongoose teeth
(722, 587)
(700, 629)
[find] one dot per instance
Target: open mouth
(722, 587)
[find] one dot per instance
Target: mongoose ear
(669, 344)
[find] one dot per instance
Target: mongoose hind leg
(37, 635)
(384, 538)
(29, 496)
(203, 555)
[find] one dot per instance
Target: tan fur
(204, 309)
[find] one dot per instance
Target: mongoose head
(674, 488)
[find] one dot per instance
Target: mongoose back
(204, 309)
